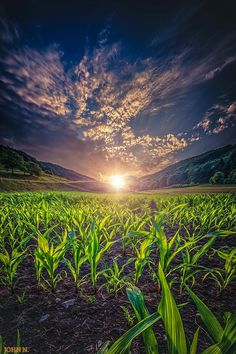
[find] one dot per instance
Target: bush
(232, 177)
(12, 160)
(217, 178)
(33, 168)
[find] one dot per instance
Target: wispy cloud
(218, 118)
(35, 79)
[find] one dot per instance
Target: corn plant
(191, 267)
(78, 258)
(10, 262)
(168, 248)
(129, 224)
(115, 279)
(48, 257)
(94, 252)
(223, 277)
(142, 257)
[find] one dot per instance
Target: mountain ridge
(49, 167)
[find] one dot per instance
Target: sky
(117, 87)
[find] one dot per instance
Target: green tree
(12, 160)
(217, 178)
(232, 177)
(33, 168)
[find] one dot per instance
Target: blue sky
(117, 87)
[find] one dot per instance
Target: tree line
(11, 160)
(220, 178)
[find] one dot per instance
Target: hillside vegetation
(16, 160)
(199, 169)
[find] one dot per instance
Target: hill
(47, 176)
(64, 172)
(47, 167)
(195, 170)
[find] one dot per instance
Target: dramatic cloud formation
(138, 109)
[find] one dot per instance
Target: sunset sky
(107, 87)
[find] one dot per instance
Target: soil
(95, 318)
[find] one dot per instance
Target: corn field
(156, 259)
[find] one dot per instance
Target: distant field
(21, 183)
(206, 188)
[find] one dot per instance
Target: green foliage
(136, 299)
(217, 178)
(128, 316)
(171, 318)
(78, 258)
(48, 257)
(115, 277)
(33, 168)
(94, 251)
(11, 160)
(10, 263)
(232, 177)
(198, 169)
(224, 338)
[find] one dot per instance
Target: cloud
(211, 74)
(218, 118)
(35, 78)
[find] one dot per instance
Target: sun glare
(117, 181)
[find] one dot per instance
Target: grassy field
(204, 188)
(20, 183)
(23, 183)
(110, 273)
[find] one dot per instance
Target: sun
(117, 181)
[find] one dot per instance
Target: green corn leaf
(136, 299)
(193, 348)
(124, 342)
(227, 344)
(171, 318)
(203, 249)
(212, 324)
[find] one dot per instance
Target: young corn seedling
(167, 311)
(128, 316)
(10, 264)
(142, 257)
(48, 257)
(224, 339)
(115, 280)
(191, 267)
(78, 258)
(168, 248)
(223, 277)
(129, 225)
(94, 252)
